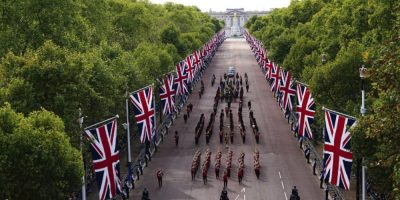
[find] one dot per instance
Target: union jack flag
(268, 66)
(181, 79)
(288, 91)
(167, 94)
(144, 112)
(190, 68)
(337, 155)
(264, 58)
(274, 79)
(197, 61)
(105, 154)
(305, 111)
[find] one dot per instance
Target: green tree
(38, 161)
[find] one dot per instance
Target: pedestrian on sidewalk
(314, 166)
(301, 142)
(321, 178)
(249, 104)
(176, 138)
(159, 177)
(307, 153)
(185, 117)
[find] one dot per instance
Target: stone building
(235, 19)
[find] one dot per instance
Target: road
(282, 162)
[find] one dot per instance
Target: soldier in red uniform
(217, 167)
(225, 178)
(159, 177)
(240, 175)
(205, 176)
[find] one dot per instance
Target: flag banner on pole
(167, 94)
(305, 111)
(144, 112)
(274, 79)
(189, 68)
(197, 62)
(268, 66)
(288, 91)
(337, 155)
(181, 78)
(105, 154)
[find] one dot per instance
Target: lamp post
(323, 58)
(363, 74)
(126, 127)
(80, 121)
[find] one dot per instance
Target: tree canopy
(64, 55)
(350, 34)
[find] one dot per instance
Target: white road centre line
(283, 186)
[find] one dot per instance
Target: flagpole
(102, 122)
(326, 109)
(80, 121)
(140, 89)
(301, 83)
(127, 129)
(155, 112)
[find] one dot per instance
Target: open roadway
(282, 162)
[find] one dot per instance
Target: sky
(222, 5)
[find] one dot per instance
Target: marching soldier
(240, 175)
(225, 178)
(205, 176)
(217, 166)
(159, 177)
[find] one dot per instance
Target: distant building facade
(235, 19)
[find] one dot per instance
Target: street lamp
(80, 121)
(363, 75)
(323, 58)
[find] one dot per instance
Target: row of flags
(337, 159)
(103, 135)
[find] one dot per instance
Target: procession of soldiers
(230, 90)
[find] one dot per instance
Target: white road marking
(244, 195)
(283, 186)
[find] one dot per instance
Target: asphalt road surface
(282, 162)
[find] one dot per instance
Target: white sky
(222, 5)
